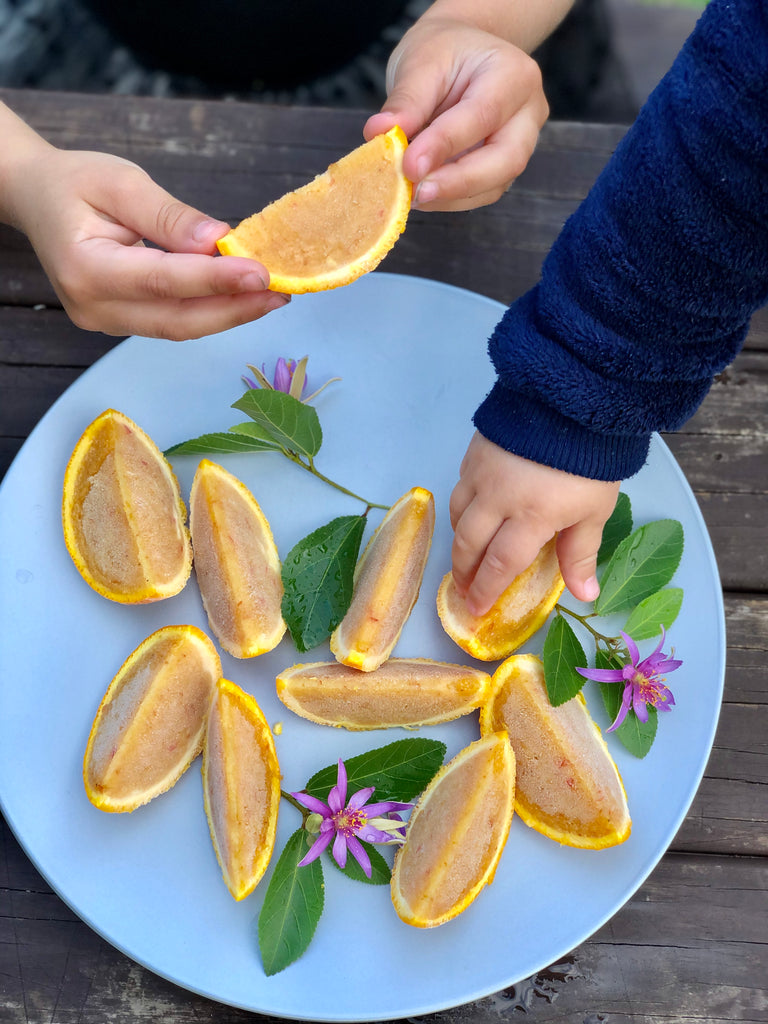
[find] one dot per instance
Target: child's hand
(471, 103)
(86, 215)
(505, 508)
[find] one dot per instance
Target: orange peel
(122, 514)
(405, 692)
(515, 616)
(568, 787)
(241, 787)
(387, 580)
(236, 563)
(335, 228)
(456, 834)
(150, 724)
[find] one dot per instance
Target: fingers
(509, 553)
(482, 175)
(180, 320)
(140, 204)
(577, 549)
(130, 272)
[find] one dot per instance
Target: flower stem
(295, 803)
(310, 467)
(611, 642)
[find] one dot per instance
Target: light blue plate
(412, 354)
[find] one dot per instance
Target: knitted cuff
(525, 427)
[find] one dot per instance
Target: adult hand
(86, 215)
(472, 105)
(505, 508)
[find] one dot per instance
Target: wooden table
(692, 944)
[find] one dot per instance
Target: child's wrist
(22, 148)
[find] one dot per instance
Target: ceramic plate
(412, 355)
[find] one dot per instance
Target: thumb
(156, 215)
(577, 548)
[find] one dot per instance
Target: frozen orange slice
(517, 614)
(403, 692)
(568, 786)
(387, 581)
(123, 517)
(236, 563)
(241, 787)
(334, 229)
(456, 834)
(150, 724)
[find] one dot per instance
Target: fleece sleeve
(648, 291)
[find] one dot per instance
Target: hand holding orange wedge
(337, 227)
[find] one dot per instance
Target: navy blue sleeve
(648, 291)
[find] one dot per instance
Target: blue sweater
(648, 291)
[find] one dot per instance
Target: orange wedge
(456, 834)
(568, 787)
(517, 614)
(236, 563)
(123, 517)
(150, 724)
(334, 229)
(387, 581)
(403, 692)
(241, 787)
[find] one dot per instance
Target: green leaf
(398, 771)
(660, 609)
(561, 656)
(291, 423)
(380, 870)
(255, 433)
(617, 528)
(317, 580)
(643, 563)
(220, 444)
(292, 906)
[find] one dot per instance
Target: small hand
(505, 508)
(472, 105)
(86, 215)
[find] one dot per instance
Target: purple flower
(643, 680)
(285, 370)
(347, 822)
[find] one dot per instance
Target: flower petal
(602, 675)
(358, 799)
(634, 653)
(626, 700)
(337, 798)
(340, 849)
(282, 380)
(360, 855)
(316, 848)
(312, 803)
(385, 807)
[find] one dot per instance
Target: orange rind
(337, 227)
(568, 787)
(150, 724)
(405, 692)
(456, 834)
(122, 514)
(236, 563)
(241, 787)
(517, 614)
(386, 584)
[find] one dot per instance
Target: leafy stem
(612, 643)
(310, 467)
(295, 803)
